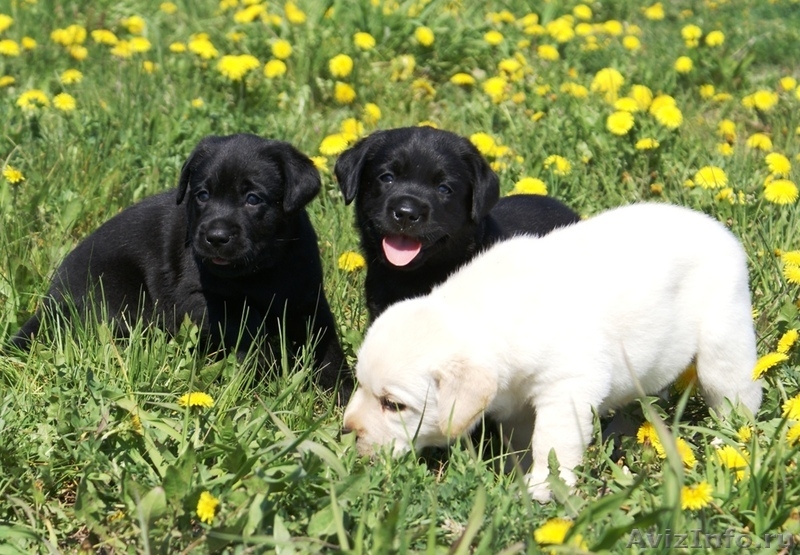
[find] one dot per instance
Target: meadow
(144, 445)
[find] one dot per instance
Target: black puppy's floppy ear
(350, 164)
(486, 187)
(301, 175)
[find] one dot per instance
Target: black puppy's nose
(218, 236)
(406, 212)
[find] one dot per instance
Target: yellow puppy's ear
(465, 390)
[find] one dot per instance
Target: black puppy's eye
(202, 195)
(386, 178)
(393, 406)
(252, 199)
(444, 189)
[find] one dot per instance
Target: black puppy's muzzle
(406, 212)
(219, 236)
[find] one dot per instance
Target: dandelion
(725, 149)
(685, 452)
(177, 47)
(9, 48)
(727, 130)
(13, 175)
(733, 459)
(778, 164)
(424, 36)
(70, 76)
(281, 49)
(764, 100)
(744, 434)
(462, 79)
(613, 27)
(793, 434)
(787, 340)
(696, 497)
(707, 91)
(196, 399)
(788, 83)
(647, 143)
(582, 11)
(168, 8)
(608, 80)
(619, 123)
(548, 52)
(5, 22)
(64, 102)
(642, 95)
(715, 38)
(364, 41)
(351, 126)
(198, 103)
(372, 113)
(122, 49)
(344, 93)
(250, 13)
(207, 507)
(654, 12)
(340, 65)
(335, 144)
(792, 273)
(28, 43)
(575, 89)
(791, 257)
(134, 24)
(351, 261)
(766, 362)
(669, 116)
(104, 36)
(684, 64)
(561, 29)
(495, 88)
(294, 14)
(493, 37)
(484, 142)
(6, 80)
(201, 45)
(139, 44)
(274, 68)
(759, 141)
(70, 36)
(529, 186)
(691, 35)
(558, 164)
(647, 435)
(32, 99)
(791, 408)
(711, 177)
(629, 42)
(781, 191)
(552, 532)
(236, 67)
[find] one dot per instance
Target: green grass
(96, 454)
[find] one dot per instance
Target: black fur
(232, 248)
(442, 193)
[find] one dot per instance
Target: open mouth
(400, 250)
(220, 261)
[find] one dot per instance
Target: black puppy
(427, 202)
(239, 257)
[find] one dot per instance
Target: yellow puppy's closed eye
(391, 405)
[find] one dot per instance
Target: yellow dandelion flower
(13, 175)
(711, 177)
(696, 497)
(352, 126)
(792, 273)
(548, 52)
(790, 257)
(335, 144)
(9, 48)
(707, 91)
(558, 164)
(139, 44)
(64, 102)
(691, 35)
(424, 36)
(781, 191)
(788, 83)
(727, 130)
(685, 452)
(177, 47)
(561, 29)
(607, 80)
(28, 43)
(207, 507)
(104, 36)
(69, 36)
(766, 362)
(726, 149)
(613, 27)
(552, 532)
(496, 88)
(294, 14)
(198, 103)
(372, 113)
(574, 89)
(684, 64)
(5, 22)
(778, 164)
(759, 141)
(647, 143)
(281, 49)
(32, 99)
(529, 186)
(134, 24)
(715, 38)
(149, 66)
(619, 123)
(669, 116)
(764, 100)
(274, 68)
(343, 93)
(627, 104)
(364, 41)
(340, 65)
(733, 459)
(654, 12)
(196, 399)
(250, 13)
(744, 434)
(582, 11)
(122, 49)
(484, 142)
(647, 435)
(493, 37)
(203, 47)
(235, 67)
(351, 261)
(629, 42)
(791, 408)
(462, 79)
(793, 434)
(642, 95)
(168, 8)
(70, 76)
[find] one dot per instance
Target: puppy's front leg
(563, 423)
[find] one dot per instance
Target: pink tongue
(400, 250)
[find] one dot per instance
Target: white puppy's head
(417, 383)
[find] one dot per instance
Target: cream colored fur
(539, 332)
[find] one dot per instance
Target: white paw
(538, 488)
